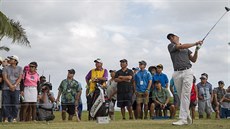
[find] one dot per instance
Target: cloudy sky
(68, 34)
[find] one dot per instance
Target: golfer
(183, 75)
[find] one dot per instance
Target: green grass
(118, 123)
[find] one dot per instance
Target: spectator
(134, 97)
(152, 70)
(69, 91)
(5, 62)
(124, 78)
(205, 96)
(97, 75)
(31, 79)
(176, 100)
(12, 76)
(112, 92)
(142, 84)
(45, 102)
(218, 94)
(193, 98)
(161, 76)
(41, 82)
(1, 83)
(161, 98)
(80, 105)
(225, 105)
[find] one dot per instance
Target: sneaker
(6, 121)
(180, 122)
(14, 120)
(189, 120)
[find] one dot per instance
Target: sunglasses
(32, 66)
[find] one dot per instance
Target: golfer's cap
(170, 35)
(98, 60)
(142, 62)
(204, 76)
(160, 66)
(71, 71)
(220, 82)
(1, 59)
(135, 68)
(124, 60)
(14, 57)
(111, 71)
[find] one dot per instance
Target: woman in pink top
(31, 79)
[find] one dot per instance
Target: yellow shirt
(95, 74)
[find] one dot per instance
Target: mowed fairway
(117, 124)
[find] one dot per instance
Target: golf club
(227, 9)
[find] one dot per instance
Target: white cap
(98, 60)
(1, 59)
(14, 57)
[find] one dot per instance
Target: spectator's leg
(34, 111)
(138, 109)
(146, 111)
(80, 107)
(15, 102)
(172, 111)
(25, 111)
(123, 112)
(193, 112)
(152, 108)
(201, 106)
(6, 105)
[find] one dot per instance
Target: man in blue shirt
(142, 84)
(159, 76)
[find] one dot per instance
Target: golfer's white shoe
(180, 122)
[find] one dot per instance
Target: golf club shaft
(213, 26)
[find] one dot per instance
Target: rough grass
(117, 124)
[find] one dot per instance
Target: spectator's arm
(77, 98)
(51, 97)
(88, 77)
(58, 97)
(167, 85)
(196, 91)
(7, 80)
(149, 85)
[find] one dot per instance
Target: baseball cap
(112, 71)
(142, 62)
(71, 71)
(98, 60)
(160, 66)
(124, 60)
(204, 76)
(135, 68)
(14, 57)
(1, 59)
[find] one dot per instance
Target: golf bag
(99, 103)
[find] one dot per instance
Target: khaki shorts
(142, 99)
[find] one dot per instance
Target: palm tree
(13, 30)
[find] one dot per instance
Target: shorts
(124, 99)
(142, 99)
(176, 100)
(157, 106)
(69, 108)
(193, 104)
(204, 106)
